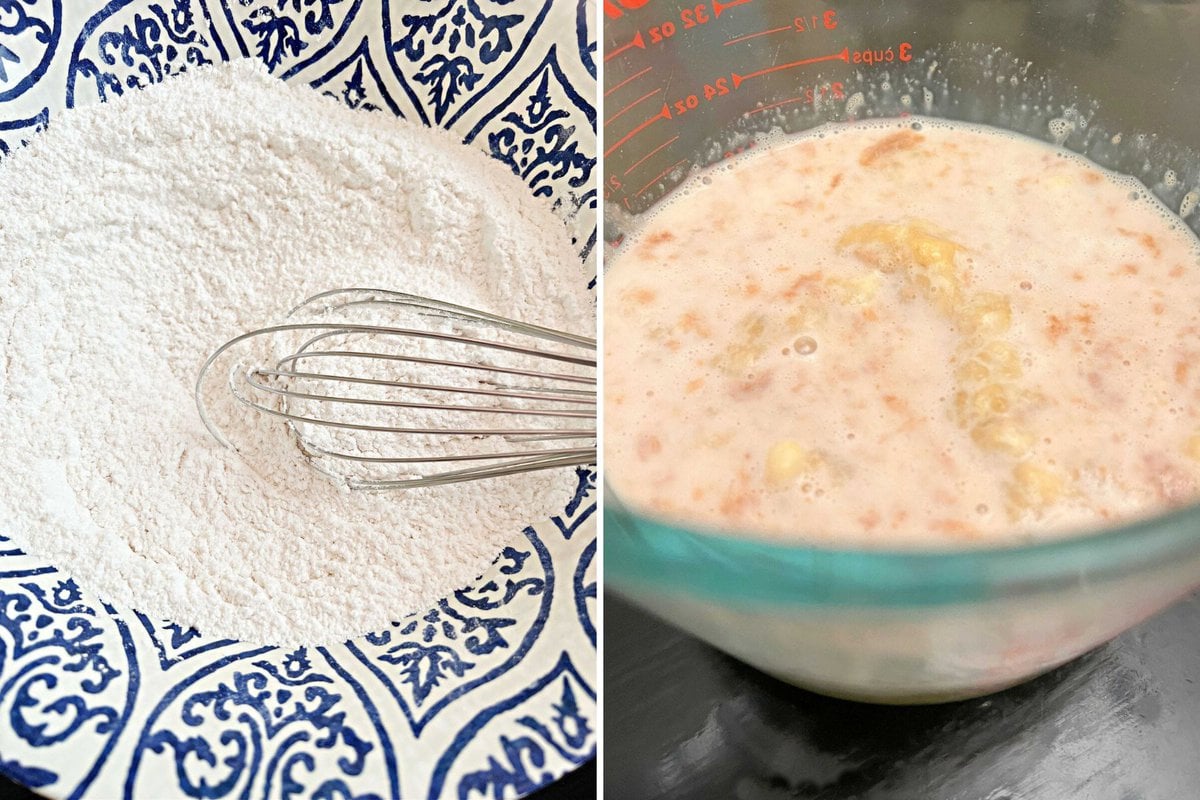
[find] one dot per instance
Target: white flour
(143, 233)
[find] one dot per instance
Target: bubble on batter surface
(805, 346)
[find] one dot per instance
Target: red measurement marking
(665, 113)
(638, 163)
(760, 33)
(836, 90)
(787, 102)
(661, 175)
(738, 151)
(718, 6)
(842, 56)
(638, 41)
(646, 96)
(632, 77)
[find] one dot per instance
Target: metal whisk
(446, 394)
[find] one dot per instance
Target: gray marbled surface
(685, 721)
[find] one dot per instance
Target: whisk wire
(307, 396)
(296, 394)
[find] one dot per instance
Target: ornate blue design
(356, 82)
(156, 42)
(176, 644)
(428, 660)
(317, 16)
(585, 590)
(538, 135)
(389, 752)
(29, 33)
(69, 681)
(275, 724)
(544, 131)
(16, 134)
(536, 733)
(579, 509)
(288, 35)
(277, 36)
(424, 665)
(460, 45)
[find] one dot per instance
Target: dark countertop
(12, 791)
(578, 785)
(685, 721)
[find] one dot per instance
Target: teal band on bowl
(645, 553)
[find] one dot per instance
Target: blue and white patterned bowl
(491, 692)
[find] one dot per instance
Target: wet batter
(905, 334)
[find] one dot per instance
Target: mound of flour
(143, 233)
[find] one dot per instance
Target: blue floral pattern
(521, 744)
(429, 660)
(537, 142)
(16, 133)
(176, 644)
(67, 681)
(145, 45)
(356, 81)
(581, 507)
(456, 49)
(242, 731)
(488, 692)
(29, 33)
(287, 35)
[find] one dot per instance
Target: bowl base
(900, 697)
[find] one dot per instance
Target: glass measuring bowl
(687, 86)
